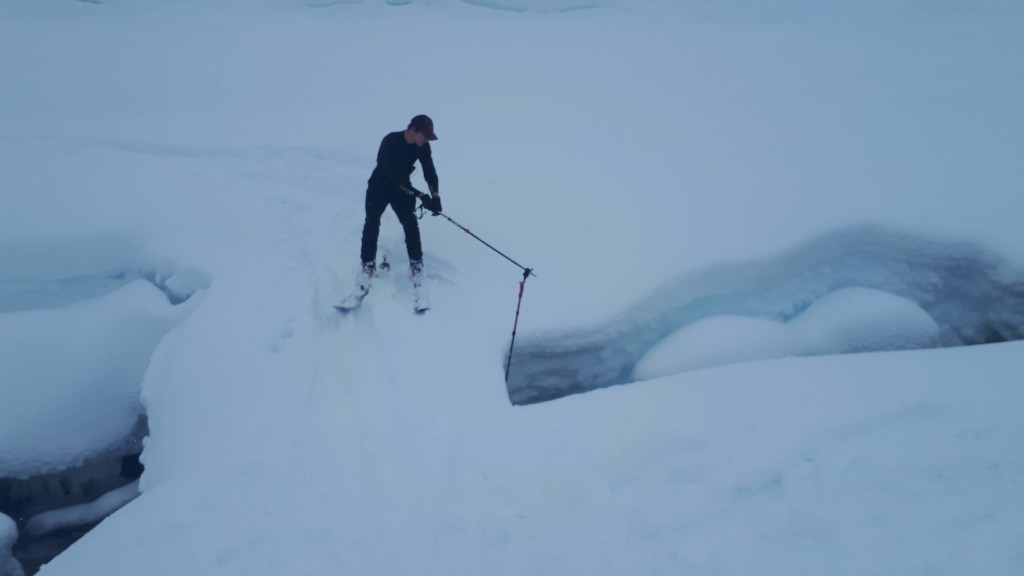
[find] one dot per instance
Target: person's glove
(433, 203)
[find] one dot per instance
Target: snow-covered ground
(776, 226)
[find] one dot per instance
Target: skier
(390, 184)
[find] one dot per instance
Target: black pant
(404, 206)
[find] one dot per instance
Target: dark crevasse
(973, 295)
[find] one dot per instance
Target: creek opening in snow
(77, 335)
(862, 289)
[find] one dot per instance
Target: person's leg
(376, 203)
(405, 208)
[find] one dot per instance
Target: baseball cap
(424, 125)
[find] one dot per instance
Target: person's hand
(433, 204)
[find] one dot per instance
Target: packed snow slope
(220, 150)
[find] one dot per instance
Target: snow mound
(715, 341)
(846, 321)
(82, 514)
(863, 320)
(72, 374)
(8, 536)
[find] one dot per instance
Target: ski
(353, 300)
(420, 296)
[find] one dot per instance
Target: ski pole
(515, 326)
(527, 272)
(423, 197)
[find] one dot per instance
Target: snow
(716, 341)
(846, 321)
(757, 190)
(82, 514)
(8, 536)
(72, 375)
(864, 320)
(971, 293)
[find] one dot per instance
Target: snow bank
(910, 291)
(846, 321)
(845, 465)
(82, 514)
(71, 376)
(863, 320)
(8, 536)
(715, 341)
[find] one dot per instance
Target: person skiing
(389, 184)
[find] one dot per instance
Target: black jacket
(395, 161)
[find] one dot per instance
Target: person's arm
(429, 172)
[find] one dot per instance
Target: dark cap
(424, 125)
